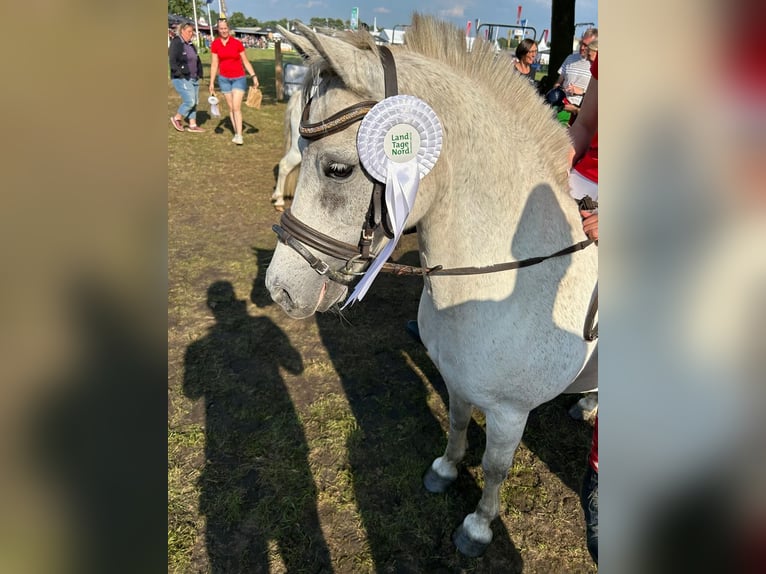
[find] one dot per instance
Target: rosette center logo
(401, 143)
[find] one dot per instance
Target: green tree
(181, 7)
(236, 20)
(319, 23)
(273, 23)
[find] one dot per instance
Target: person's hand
(590, 224)
(571, 108)
(211, 89)
(256, 83)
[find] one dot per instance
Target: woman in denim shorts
(229, 63)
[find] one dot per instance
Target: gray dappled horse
(504, 342)
(292, 158)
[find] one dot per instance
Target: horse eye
(338, 170)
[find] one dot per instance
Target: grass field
(299, 446)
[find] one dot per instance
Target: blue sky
(392, 12)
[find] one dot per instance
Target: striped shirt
(576, 72)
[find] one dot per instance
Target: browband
(335, 123)
(344, 118)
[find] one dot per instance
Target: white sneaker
(237, 139)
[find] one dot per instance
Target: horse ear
(300, 43)
(358, 68)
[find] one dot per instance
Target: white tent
(390, 36)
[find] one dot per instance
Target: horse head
(321, 231)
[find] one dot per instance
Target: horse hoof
(467, 546)
(435, 483)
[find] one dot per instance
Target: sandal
(176, 124)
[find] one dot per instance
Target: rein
(398, 269)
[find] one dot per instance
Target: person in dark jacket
(185, 73)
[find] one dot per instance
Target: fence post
(278, 73)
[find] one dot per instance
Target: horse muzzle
(301, 293)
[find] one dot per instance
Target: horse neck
(469, 208)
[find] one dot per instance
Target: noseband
(296, 234)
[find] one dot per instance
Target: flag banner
(518, 15)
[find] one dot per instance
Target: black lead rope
(510, 265)
(398, 269)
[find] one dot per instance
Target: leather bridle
(296, 234)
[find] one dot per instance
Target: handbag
(214, 110)
(254, 97)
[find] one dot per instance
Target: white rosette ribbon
(399, 141)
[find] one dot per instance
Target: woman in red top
(584, 153)
(229, 62)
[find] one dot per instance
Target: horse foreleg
(290, 161)
(504, 430)
(443, 470)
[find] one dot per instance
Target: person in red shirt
(584, 181)
(584, 152)
(229, 63)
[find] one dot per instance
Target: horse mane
(495, 75)
(445, 42)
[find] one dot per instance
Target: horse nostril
(281, 297)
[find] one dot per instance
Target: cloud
(312, 4)
(457, 11)
(381, 10)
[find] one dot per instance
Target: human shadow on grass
(259, 295)
(408, 529)
(224, 124)
(256, 485)
(202, 117)
(560, 441)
